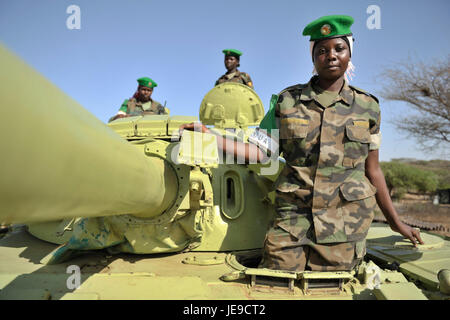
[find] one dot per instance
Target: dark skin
(144, 95)
(376, 177)
(231, 63)
(331, 58)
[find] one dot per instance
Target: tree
(402, 178)
(425, 88)
(394, 179)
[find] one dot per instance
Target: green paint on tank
(145, 215)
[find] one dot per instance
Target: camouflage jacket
(136, 108)
(240, 77)
(325, 148)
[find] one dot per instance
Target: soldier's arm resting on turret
(247, 151)
(376, 177)
(122, 113)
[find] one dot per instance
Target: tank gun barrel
(59, 161)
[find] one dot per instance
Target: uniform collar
(145, 105)
(308, 93)
(232, 75)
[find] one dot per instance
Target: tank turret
(231, 105)
(131, 184)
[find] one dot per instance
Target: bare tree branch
(426, 89)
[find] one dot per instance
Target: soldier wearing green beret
(329, 135)
(232, 58)
(141, 103)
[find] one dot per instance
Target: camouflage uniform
(324, 200)
(137, 108)
(240, 77)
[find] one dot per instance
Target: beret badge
(325, 30)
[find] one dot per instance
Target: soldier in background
(329, 135)
(141, 103)
(232, 58)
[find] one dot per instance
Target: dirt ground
(419, 211)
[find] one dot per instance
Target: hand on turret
(194, 126)
(406, 231)
(117, 116)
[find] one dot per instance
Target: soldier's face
(231, 62)
(145, 93)
(331, 58)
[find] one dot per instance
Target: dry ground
(414, 208)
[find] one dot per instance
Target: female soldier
(141, 103)
(329, 136)
(232, 60)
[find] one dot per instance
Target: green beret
(329, 27)
(146, 82)
(232, 52)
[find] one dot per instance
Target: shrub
(402, 178)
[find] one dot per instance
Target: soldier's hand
(408, 232)
(117, 116)
(194, 126)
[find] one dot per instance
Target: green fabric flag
(269, 121)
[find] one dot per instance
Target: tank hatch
(231, 105)
(420, 264)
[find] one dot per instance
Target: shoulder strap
(218, 80)
(364, 92)
(297, 87)
(269, 120)
(157, 107)
(245, 77)
(131, 104)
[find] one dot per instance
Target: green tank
(131, 210)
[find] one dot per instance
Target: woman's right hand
(194, 126)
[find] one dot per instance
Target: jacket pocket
(352, 191)
(356, 144)
(297, 226)
(293, 128)
(357, 208)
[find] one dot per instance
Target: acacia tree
(425, 88)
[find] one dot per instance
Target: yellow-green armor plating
(96, 193)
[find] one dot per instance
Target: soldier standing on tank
(329, 135)
(141, 103)
(232, 58)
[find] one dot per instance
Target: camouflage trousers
(282, 251)
(290, 243)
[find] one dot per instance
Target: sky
(179, 45)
